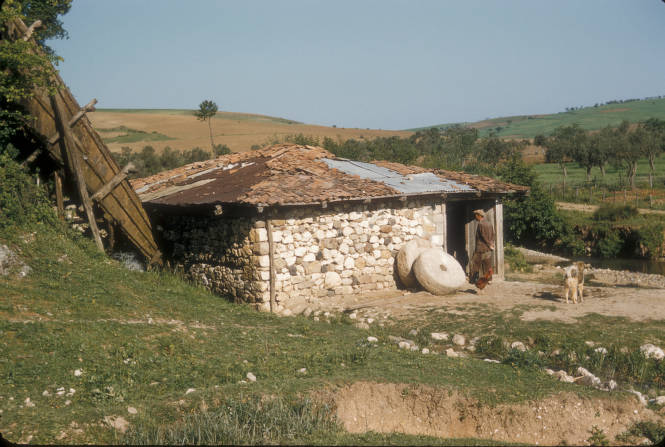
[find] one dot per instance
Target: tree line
(623, 146)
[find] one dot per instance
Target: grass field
(605, 189)
(239, 131)
(111, 339)
(589, 118)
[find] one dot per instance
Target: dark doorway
(456, 220)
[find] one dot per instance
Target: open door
(456, 223)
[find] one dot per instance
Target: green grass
(589, 118)
(132, 135)
(142, 339)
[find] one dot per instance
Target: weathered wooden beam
(89, 107)
(271, 257)
(31, 29)
(59, 200)
(498, 244)
(72, 148)
(32, 157)
(115, 181)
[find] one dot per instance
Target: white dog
(574, 282)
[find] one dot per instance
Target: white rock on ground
(132, 410)
(564, 377)
(372, 339)
(493, 361)
(588, 378)
(302, 371)
(640, 396)
(362, 325)
(251, 377)
(450, 352)
(190, 390)
(518, 345)
(660, 400)
(440, 336)
(46, 393)
(78, 373)
(459, 340)
(28, 403)
(425, 351)
(117, 422)
(404, 345)
(600, 350)
(652, 352)
(413, 332)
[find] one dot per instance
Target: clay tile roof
(290, 174)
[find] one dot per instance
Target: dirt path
(568, 206)
(634, 303)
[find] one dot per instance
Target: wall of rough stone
(215, 251)
(345, 249)
(348, 249)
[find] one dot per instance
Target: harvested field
(238, 131)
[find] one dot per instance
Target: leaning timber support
(115, 181)
(72, 148)
(89, 107)
(59, 200)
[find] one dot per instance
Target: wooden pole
(73, 155)
(498, 244)
(58, 194)
(271, 256)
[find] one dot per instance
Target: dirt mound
(421, 410)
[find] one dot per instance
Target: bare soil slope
(238, 131)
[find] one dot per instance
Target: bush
(516, 260)
(222, 149)
(610, 243)
(22, 202)
(652, 237)
(615, 212)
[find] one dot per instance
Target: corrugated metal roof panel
(407, 184)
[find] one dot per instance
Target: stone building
(293, 222)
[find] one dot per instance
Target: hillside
(179, 129)
(589, 118)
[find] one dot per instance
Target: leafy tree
(207, 109)
(628, 149)
(654, 143)
(22, 69)
(222, 149)
(561, 146)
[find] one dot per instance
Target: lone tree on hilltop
(207, 109)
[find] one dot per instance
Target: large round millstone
(438, 272)
(406, 256)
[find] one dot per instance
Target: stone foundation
(346, 249)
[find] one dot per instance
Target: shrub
(615, 212)
(222, 149)
(516, 260)
(610, 243)
(22, 202)
(652, 237)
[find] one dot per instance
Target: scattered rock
(404, 345)
(60, 391)
(588, 378)
(46, 393)
(425, 351)
(28, 403)
(652, 352)
(78, 373)
(370, 320)
(251, 377)
(611, 385)
(491, 361)
(117, 422)
(440, 336)
(353, 315)
(549, 371)
(590, 344)
(413, 332)
(640, 396)
(450, 352)
(660, 400)
(518, 345)
(600, 350)
(564, 377)
(132, 410)
(10, 262)
(302, 371)
(459, 340)
(362, 325)
(67, 402)
(190, 390)
(372, 339)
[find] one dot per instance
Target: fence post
(624, 196)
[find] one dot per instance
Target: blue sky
(365, 63)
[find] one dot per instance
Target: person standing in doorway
(480, 272)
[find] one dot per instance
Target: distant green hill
(589, 118)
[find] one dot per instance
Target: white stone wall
(346, 250)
